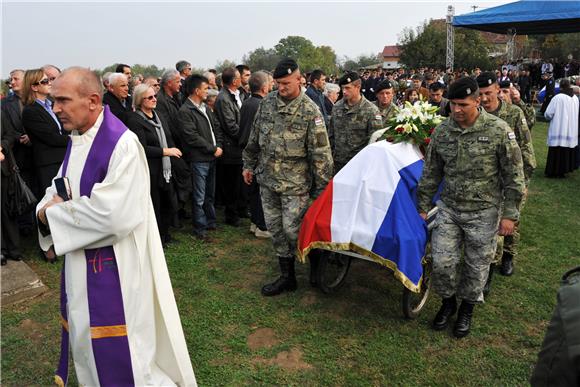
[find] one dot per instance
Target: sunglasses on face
(45, 81)
(150, 98)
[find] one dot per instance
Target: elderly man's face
(120, 88)
(16, 81)
(51, 73)
(174, 84)
(504, 95)
(71, 108)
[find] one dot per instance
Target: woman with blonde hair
(49, 140)
(155, 135)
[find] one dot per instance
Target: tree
(361, 61)
(261, 59)
(426, 47)
(224, 64)
(308, 56)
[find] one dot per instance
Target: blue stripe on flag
(403, 234)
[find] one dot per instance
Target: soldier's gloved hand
(506, 227)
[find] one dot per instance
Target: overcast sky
(98, 34)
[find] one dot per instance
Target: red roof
(391, 51)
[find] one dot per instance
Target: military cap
(284, 68)
(386, 84)
(462, 88)
(347, 78)
(505, 84)
(486, 79)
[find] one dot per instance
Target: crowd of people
(263, 144)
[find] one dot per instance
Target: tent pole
(511, 44)
(450, 38)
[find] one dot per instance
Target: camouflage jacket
(529, 113)
(351, 128)
(387, 113)
(481, 165)
(288, 148)
(517, 122)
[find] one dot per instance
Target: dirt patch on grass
(262, 338)
(289, 360)
(31, 329)
(308, 299)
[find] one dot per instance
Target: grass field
(356, 337)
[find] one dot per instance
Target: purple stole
(107, 318)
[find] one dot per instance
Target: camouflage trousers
(283, 215)
(509, 243)
(474, 234)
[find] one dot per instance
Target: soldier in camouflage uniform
(514, 117)
(353, 120)
(289, 152)
(385, 93)
(477, 156)
(527, 108)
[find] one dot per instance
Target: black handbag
(19, 198)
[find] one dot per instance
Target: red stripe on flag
(316, 223)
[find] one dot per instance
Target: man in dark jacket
(315, 90)
(260, 85)
(117, 97)
(227, 108)
(168, 108)
(202, 145)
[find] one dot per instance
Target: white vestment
(119, 212)
(563, 115)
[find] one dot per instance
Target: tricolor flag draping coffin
(370, 208)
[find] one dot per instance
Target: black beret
(462, 88)
(505, 84)
(486, 79)
(284, 68)
(347, 78)
(386, 84)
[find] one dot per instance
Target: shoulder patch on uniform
(483, 139)
(321, 139)
(378, 117)
(511, 135)
(318, 121)
(523, 121)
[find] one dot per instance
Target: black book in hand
(63, 188)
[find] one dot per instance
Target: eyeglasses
(156, 85)
(51, 79)
(44, 81)
(150, 98)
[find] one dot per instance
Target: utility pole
(450, 38)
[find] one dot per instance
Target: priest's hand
(506, 227)
(172, 152)
(248, 176)
(42, 213)
(218, 152)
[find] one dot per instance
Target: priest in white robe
(562, 112)
(118, 311)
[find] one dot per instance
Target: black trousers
(234, 195)
(10, 234)
(255, 201)
(164, 204)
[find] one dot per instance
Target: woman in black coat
(155, 136)
(49, 140)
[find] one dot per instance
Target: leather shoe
(507, 264)
(463, 322)
(447, 310)
(3, 261)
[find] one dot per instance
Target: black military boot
(463, 322)
(507, 264)
(487, 287)
(286, 282)
(314, 258)
(448, 309)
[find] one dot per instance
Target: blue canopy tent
(525, 17)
